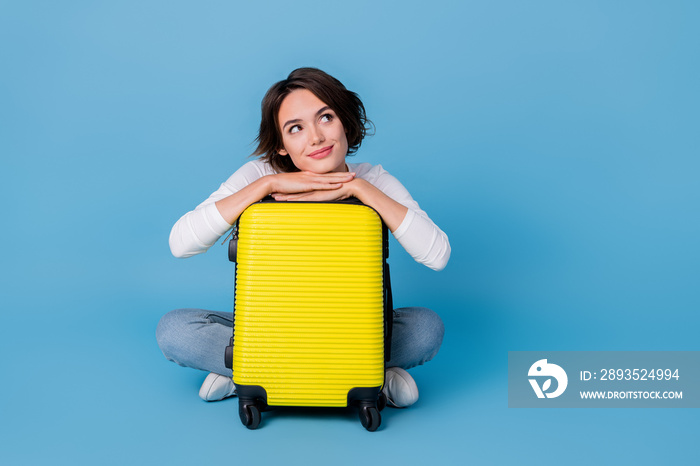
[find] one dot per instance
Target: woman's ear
(282, 152)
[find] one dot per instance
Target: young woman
(310, 124)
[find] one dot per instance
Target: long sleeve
(199, 229)
(417, 234)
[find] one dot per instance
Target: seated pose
(310, 124)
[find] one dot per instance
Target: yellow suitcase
(312, 312)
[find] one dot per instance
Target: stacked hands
(334, 186)
(314, 187)
(317, 187)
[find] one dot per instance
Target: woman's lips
(321, 153)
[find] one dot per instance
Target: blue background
(555, 142)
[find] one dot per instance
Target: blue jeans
(197, 338)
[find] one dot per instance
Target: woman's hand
(307, 182)
(338, 191)
(391, 211)
(281, 184)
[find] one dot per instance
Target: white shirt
(199, 229)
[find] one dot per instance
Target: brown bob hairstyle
(346, 104)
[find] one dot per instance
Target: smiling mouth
(321, 153)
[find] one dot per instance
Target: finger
(326, 186)
(331, 176)
(318, 196)
(301, 197)
(298, 196)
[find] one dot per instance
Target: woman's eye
(295, 129)
(326, 117)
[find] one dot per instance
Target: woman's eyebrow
(297, 120)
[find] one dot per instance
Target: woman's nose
(316, 135)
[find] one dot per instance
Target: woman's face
(312, 133)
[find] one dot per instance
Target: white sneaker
(399, 387)
(217, 387)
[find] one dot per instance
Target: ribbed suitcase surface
(309, 302)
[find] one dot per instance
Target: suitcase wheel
(370, 418)
(250, 415)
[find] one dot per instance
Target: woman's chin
(322, 168)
